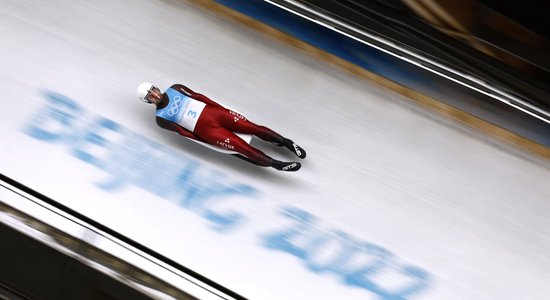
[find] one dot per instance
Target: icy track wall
(392, 202)
(428, 89)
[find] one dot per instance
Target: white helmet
(143, 90)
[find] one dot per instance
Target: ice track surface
(392, 201)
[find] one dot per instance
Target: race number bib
(181, 109)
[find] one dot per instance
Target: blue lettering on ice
(356, 263)
(131, 159)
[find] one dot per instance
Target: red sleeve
(183, 89)
(197, 96)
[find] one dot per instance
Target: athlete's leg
(238, 123)
(223, 138)
(228, 140)
(209, 129)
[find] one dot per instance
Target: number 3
(191, 113)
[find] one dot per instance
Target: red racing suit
(216, 126)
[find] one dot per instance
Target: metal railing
(402, 52)
(107, 251)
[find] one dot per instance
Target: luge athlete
(198, 117)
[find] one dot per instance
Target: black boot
(290, 145)
(286, 166)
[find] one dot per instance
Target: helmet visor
(149, 92)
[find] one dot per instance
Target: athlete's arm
(175, 127)
(183, 89)
(189, 92)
